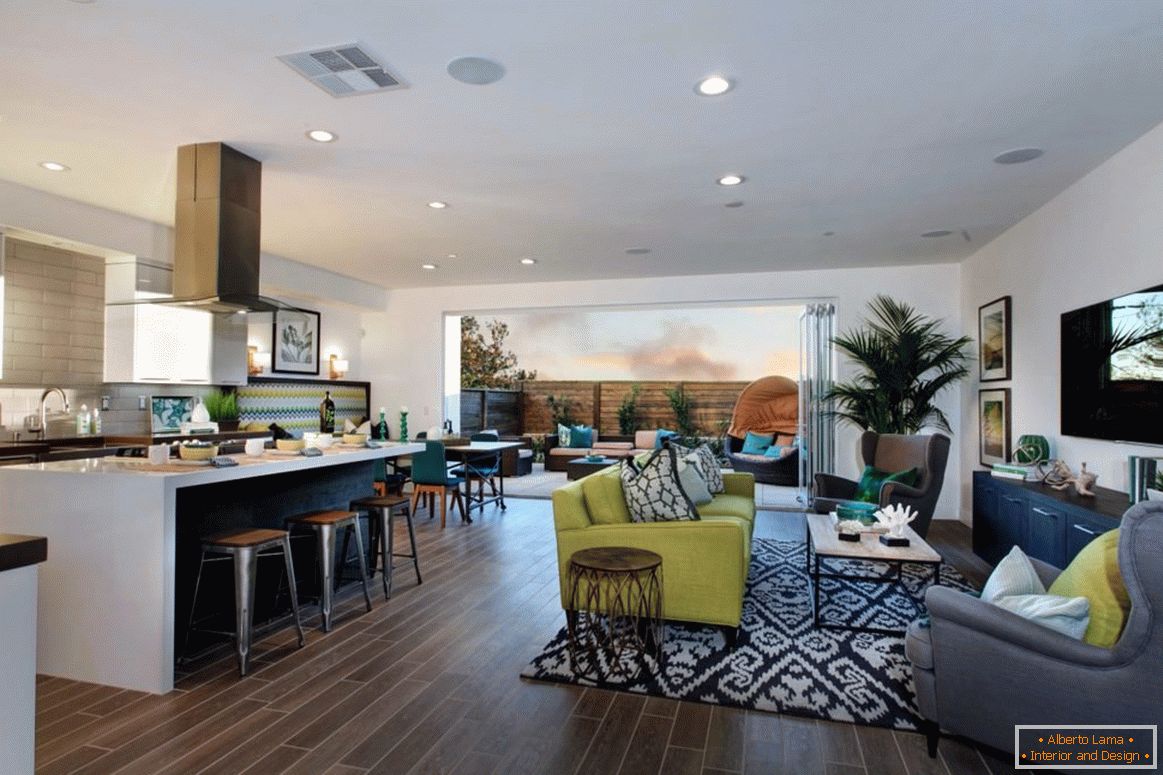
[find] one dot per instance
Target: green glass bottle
(327, 414)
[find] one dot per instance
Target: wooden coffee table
(825, 544)
(580, 467)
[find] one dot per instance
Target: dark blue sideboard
(1048, 524)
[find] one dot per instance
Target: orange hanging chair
(768, 406)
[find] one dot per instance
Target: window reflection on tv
(1112, 369)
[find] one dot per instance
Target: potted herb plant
(223, 408)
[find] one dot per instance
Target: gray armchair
(894, 452)
(979, 669)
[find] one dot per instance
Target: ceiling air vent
(343, 71)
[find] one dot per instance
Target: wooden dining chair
(430, 478)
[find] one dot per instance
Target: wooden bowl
(186, 452)
(355, 438)
(290, 445)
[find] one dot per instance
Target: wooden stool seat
(323, 518)
(380, 502)
(251, 537)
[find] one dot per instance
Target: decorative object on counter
(223, 461)
(295, 339)
(1083, 481)
(338, 366)
(83, 420)
(197, 450)
(199, 413)
(222, 407)
(327, 414)
(254, 447)
(290, 445)
(159, 454)
(404, 424)
(167, 413)
(894, 517)
(95, 423)
(1032, 449)
(993, 334)
(310, 452)
(355, 439)
(1144, 474)
(994, 425)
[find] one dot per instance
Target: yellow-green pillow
(1094, 574)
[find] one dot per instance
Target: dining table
(481, 456)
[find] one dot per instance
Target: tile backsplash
(123, 417)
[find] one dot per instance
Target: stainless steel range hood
(216, 232)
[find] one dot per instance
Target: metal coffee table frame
(815, 574)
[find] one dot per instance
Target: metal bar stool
(325, 524)
(244, 547)
(385, 547)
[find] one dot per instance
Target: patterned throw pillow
(704, 460)
(562, 435)
(652, 490)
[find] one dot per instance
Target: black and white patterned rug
(782, 662)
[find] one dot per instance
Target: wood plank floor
(428, 682)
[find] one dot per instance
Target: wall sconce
(256, 362)
(339, 366)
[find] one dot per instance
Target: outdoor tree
(484, 361)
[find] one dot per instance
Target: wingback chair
(980, 669)
(895, 452)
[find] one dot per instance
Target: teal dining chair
(430, 478)
(482, 468)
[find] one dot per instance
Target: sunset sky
(693, 343)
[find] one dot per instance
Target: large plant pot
(228, 425)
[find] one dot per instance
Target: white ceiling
(875, 120)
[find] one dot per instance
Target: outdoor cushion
(567, 452)
(868, 488)
(752, 458)
(757, 443)
(661, 435)
(778, 452)
(598, 446)
(581, 436)
(1094, 574)
(644, 439)
(604, 499)
(563, 433)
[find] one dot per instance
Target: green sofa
(704, 562)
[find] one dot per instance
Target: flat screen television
(1112, 369)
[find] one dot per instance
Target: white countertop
(187, 473)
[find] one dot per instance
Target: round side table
(615, 611)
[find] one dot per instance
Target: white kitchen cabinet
(159, 343)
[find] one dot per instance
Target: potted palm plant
(905, 361)
(223, 409)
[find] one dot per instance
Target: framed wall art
(295, 342)
(993, 412)
(993, 338)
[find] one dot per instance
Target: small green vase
(1032, 449)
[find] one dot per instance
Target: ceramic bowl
(290, 445)
(857, 510)
(197, 452)
(323, 440)
(355, 438)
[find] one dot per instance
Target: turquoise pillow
(775, 451)
(661, 435)
(757, 444)
(868, 488)
(581, 437)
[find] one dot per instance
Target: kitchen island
(122, 530)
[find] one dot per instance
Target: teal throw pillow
(868, 488)
(562, 435)
(661, 435)
(757, 443)
(778, 452)
(581, 437)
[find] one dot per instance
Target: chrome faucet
(48, 392)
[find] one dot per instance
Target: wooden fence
(596, 403)
(499, 410)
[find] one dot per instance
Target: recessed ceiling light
(937, 233)
(736, 203)
(452, 255)
(731, 180)
(476, 71)
(428, 266)
(713, 86)
(438, 205)
(322, 136)
(529, 261)
(637, 251)
(54, 166)
(1018, 155)
(829, 233)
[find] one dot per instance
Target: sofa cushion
(703, 459)
(581, 436)
(604, 499)
(751, 458)
(692, 483)
(777, 452)
(569, 452)
(652, 490)
(644, 439)
(602, 446)
(729, 506)
(1094, 574)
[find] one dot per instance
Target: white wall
(340, 331)
(403, 348)
(1100, 238)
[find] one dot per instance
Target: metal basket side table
(615, 611)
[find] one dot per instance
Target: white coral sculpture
(895, 517)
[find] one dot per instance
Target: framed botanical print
(295, 342)
(993, 412)
(993, 336)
